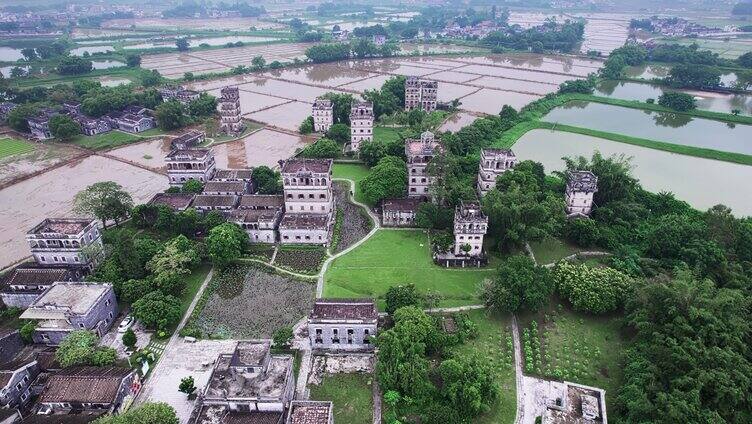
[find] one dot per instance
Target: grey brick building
(68, 242)
(343, 324)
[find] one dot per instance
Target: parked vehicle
(125, 324)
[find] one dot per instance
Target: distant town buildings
(231, 121)
(493, 162)
(399, 212)
(420, 94)
(190, 164)
(309, 201)
(581, 186)
(343, 324)
(361, 124)
(69, 306)
(69, 242)
(419, 154)
(323, 115)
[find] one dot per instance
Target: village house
(399, 212)
(24, 284)
(581, 186)
(260, 224)
(39, 125)
(245, 175)
(470, 225)
(10, 344)
(237, 188)
(88, 389)
(361, 124)
(305, 229)
(91, 126)
(421, 94)
(69, 306)
(205, 203)
(310, 412)
(309, 201)
(188, 140)
(231, 121)
(343, 324)
(419, 154)
(262, 202)
(190, 164)
(16, 377)
(323, 115)
(69, 242)
(493, 162)
(5, 109)
(179, 93)
(178, 202)
(250, 380)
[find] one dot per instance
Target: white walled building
(309, 201)
(421, 94)
(419, 154)
(361, 124)
(69, 242)
(343, 324)
(493, 162)
(323, 115)
(581, 186)
(231, 121)
(190, 164)
(470, 225)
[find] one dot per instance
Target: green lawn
(12, 146)
(352, 171)
(386, 134)
(494, 342)
(550, 250)
(578, 347)
(393, 257)
(113, 139)
(192, 284)
(351, 395)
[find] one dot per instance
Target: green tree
(29, 53)
(150, 78)
(157, 310)
(258, 63)
(282, 338)
(387, 179)
(693, 76)
(267, 181)
(745, 60)
(27, 331)
(582, 232)
(468, 384)
(18, 117)
(339, 133)
(519, 284)
(172, 265)
(371, 152)
(205, 105)
(182, 44)
(106, 200)
(63, 127)
(582, 86)
(72, 65)
(399, 296)
(225, 243)
(187, 385)
(306, 127)
(133, 60)
(170, 115)
(613, 68)
(80, 348)
(322, 148)
(591, 289)
(129, 338)
(341, 103)
(433, 216)
(147, 413)
(192, 186)
(677, 101)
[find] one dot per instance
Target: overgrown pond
(702, 183)
(660, 126)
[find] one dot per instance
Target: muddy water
(718, 182)
(330, 75)
(448, 92)
(668, 127)
(91, 50)
(705, 100)
(25, 204)
(212, 41)
(252, 102)
(458, 121)
(265, 147)
(150, 153)
(287, 116)
(43, 156)
(113, 81)
(491, 101)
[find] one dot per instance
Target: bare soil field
(25, 204)
(43, 156)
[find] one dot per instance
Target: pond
(106, 64)
(9, 54)
(718, 182)
(705, 100)
(667, 127)
(648, 72)
(195, 42)
(113, 81)
(79, 51)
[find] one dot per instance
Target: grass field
(550, 250)
(351, 395)
(494, 342)
(192, 284)
(11, 146)
(393, 257)
(386, 134)
(354, 172)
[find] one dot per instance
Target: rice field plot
(329, 75)
(372, 83)
(514, 85)
(448, 92)
(519, 74)
(252, 102)
(299, 92)
(288, 116)
(491, 101)
(265, 147)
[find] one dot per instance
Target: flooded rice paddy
(231, 24)
(702, 183)
(79, 51)
(668, 127)
(195, 42)
(705, 100)
(25, 204)
(9, 54)
(458, 121)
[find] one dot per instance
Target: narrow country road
(518, 372)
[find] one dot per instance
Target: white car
(125, 324)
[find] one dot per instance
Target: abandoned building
(310, 412)
(179, 93)
(399, 212)
(190, 164)
(323, 115)
(567, 402)
(309, 201)
(248, 381)
(245, 175)
(493, 162)
(16, 378)
(343, 324)
(24, 284)
(132, 119)
(470, 226)
(69, 242)
(89, 389)
(581, 187)
(237, 188)
(231, 121)
(361, 124)
(419, 154)
(215, 202)
(188, 140)
(69, 306)
(421, 94)
(178, 202)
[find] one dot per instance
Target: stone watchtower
(493, 162)
(323, 115)
(581, 186)
(419, 154)
(361, 124)
(229, 110)
(470, 225)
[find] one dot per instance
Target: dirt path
(520, 414)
